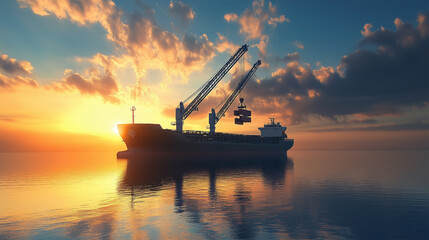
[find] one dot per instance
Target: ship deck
(202, 136)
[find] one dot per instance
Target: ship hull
(151, 139)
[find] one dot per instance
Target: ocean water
(311, 195)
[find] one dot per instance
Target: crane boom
(237, 91)
(214, 118)
(214, 81)
(182, 113)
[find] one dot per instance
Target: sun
(115, 129)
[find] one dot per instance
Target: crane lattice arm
(213, 82)
(237, 91)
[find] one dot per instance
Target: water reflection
(323, 195)
(100, 225)
(150, 175)
(262, 199)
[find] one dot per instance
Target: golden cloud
(13, 66)
(8, 83)
(93, 83)
(252, 21)
(147, 46)
(224, 45)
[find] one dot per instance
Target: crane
(213, 117)
(182, 113)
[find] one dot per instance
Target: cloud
(323, 73)
(197, 49)
(12, 66)
(298, 45)
(360, 121)
(93, 83)
(181, 12)
(372, 83)
(251, 25)
(104, 12)
(409, 126)
(152, 47)
(146, 44)
(81, 12)
(423, 26)
(252, 21)
(274, 20)
(262, 46)
(290, 57)
(97, 80)
(13, 70)
(224, 45)
(366, 30)
(8, 83)
(7, 118)
(231, 17)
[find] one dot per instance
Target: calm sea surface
(312, 195)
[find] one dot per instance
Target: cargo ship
(153, 139)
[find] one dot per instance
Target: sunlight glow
(115, 129)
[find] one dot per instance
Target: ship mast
(133, 108)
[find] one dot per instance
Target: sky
(344, 75)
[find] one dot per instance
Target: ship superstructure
(273, 129)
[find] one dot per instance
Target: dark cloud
(384, 81)
(181, 12)
(410, 126)
(197, 49)
(12, 66)
(96, 83)
(16, 73)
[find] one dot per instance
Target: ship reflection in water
(216, 199)
(317, 195)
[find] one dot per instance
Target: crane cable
(224, 100)
(198, 90)
(240, 75)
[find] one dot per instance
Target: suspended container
(245, 119)
(242, 112)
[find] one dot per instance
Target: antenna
(132, 110)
